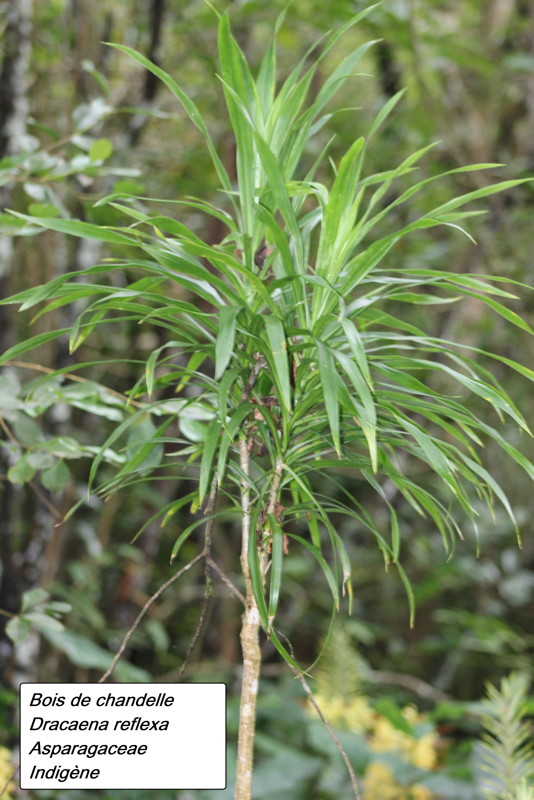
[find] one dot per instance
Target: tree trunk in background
(13, 100)
(13, 117)
(152, 83)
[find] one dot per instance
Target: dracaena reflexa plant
(299, 368)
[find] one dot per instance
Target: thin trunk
(250, 645)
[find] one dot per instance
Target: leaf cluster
(286, 337)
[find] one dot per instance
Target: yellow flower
(421, 793)
(424, 751)
(379, 783)
(6, 770)
(385, 737)
(357, 715)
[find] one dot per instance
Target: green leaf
(32, 598)
(56, 478)
(395, 533)
(29, 344)
(83, 653)
(338, 210)
(476, 195)
(278, 343)
(235, 89)
(208, 452)
(390, 710)
(315, 551)
(21, 473)
(43, 621)
(62, 447)
(188, 531)
(18, 629)
(327, 371)
(83, 230)
(385, 112)
(100, 150)
(188, 105)
(277, 558)
(40, 460)
(27, 431)
(225, 343)
(409, 592)
(356, 345)
(43, 210)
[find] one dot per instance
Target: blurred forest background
(79, 120)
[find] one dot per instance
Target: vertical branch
(250, 645)
(275, 485)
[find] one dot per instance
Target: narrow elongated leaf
(277, 340)
(356, 345)
(367, 419)
(322, 563)
(225, 338)
(29, 344)
(223, 456)
(83, 230)
(409, 592)
(395, 533)
(275, 179)
(385, 112)
(341, 200)
(476, 195)
(277, 558)
(235, 90)
(225, 386)
(328, 375)
(188, 531)
(187, 103)
(210, 446)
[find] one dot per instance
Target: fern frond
(507, 747)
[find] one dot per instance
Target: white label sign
(123, 736)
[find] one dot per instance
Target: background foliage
(93, 121)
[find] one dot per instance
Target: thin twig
(235, 591)
(143, 611)
(8, 432)
(7, 613)
(195, 638)
(257, 368)
(207, 588)
(408, 682)
(53, 510)
(313, 701)
(204, 554)
(72, 377)
(6, 784)
(37, 491)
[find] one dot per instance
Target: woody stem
(250, 646)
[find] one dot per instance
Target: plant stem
(250, 645)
